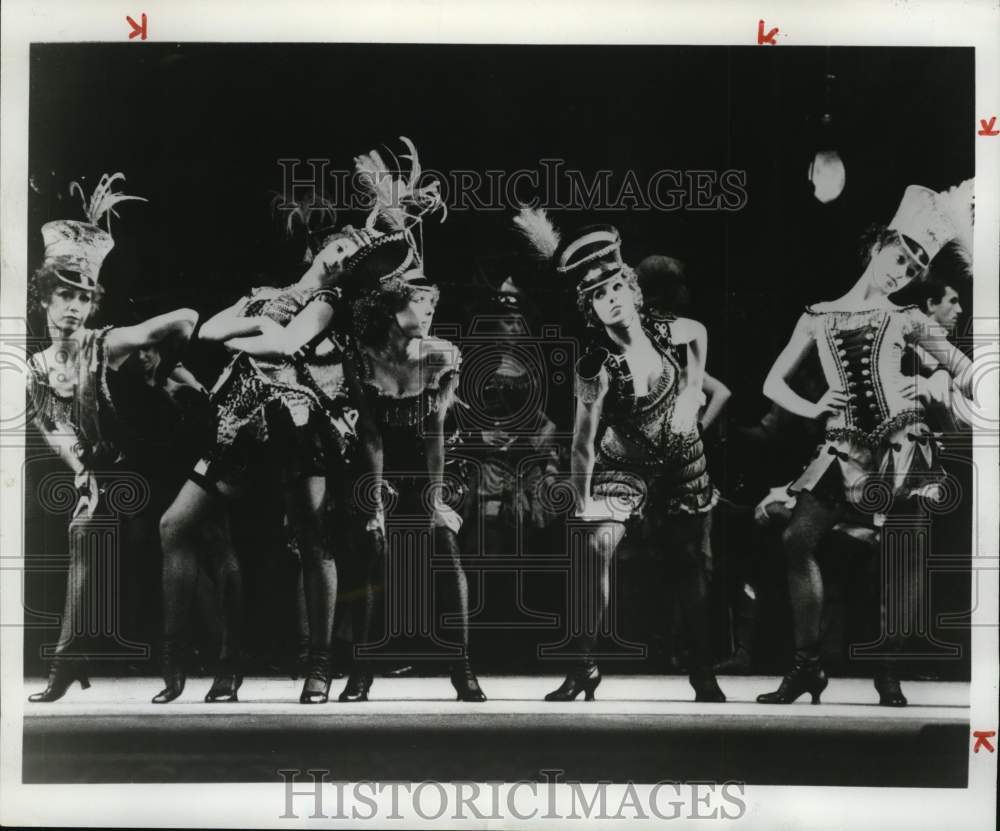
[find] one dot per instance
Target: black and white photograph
(523, 416)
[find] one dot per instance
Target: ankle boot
(62, 673)
(358, 684)
(581, 679)
(316, 689)
(173, 672)
(463, 679)
(887, 684)
(806, 676)
(228, 680)
(706, 688)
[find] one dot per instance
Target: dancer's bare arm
(776, 384)
(276, 341)
(121, 342)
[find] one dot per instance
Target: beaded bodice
(83, 405)
(861, 352)
(401, 418)
(638, 429)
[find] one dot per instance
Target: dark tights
(681, 537)
(449, 592)
(812, 519)
(195, 528)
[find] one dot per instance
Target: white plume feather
(103, 199)
(536, 227)
(958, 204)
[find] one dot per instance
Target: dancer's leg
(181, 536)
(305, 504)
(594, 586)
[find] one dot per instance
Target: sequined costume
(401, 421)
(298, 409)
(641, 460)
(85, 409)
(881, 436)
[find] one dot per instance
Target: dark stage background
(198, 130)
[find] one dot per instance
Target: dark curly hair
(375, 312)
(584, 300)
(46, 280)
(874, 238)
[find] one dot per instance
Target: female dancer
(409, 381)
(274, 408)
(71, 397)
(636, 446)
(876, 441)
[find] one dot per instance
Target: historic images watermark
(309, 794)
(552, 185)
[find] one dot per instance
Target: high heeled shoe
(173, 672)
(62, 673)
(358, 684)
(583, 679)
(706, 688)
(807, 676)
(887, 684)
(226, 684)
(464, 680)
(316, 689)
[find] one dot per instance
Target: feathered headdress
(398, 200)
(536, 227)
(958, 204)
(103, 199)
(928, 221)
(398, 203)
(317, 217)
(75, 250)
(588, 258)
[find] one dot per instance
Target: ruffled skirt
(283, 421)
(903, 465)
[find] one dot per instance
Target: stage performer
(71, 396)
(637, 451)
(877, 447)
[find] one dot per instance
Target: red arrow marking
(983, 739)
(137, 28)
(769, 37)
(987, 127)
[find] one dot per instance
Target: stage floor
(641, 728)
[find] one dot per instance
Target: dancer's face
(511, 326)
(614, 302)
(947, 311)
(149, 360)
(416, 316)
(892, 267)
(335, 252)
(68, 308)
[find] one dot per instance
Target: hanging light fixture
(826, 171)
